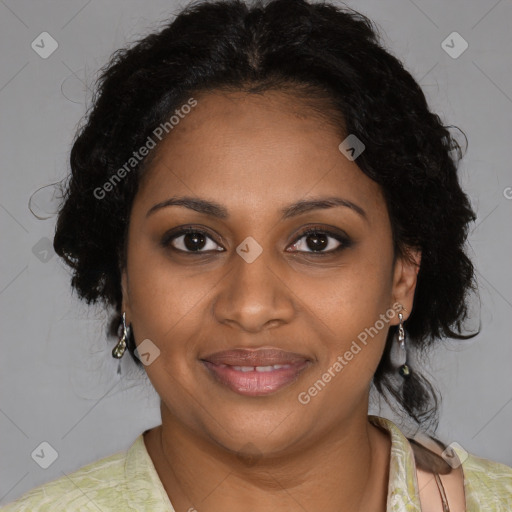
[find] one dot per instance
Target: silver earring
(119, 349)
(398, 352)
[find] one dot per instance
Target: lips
(255, 357)
(255, 372)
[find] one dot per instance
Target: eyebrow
(217, 210)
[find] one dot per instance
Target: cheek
(354, 294)
(164, 301)
(356, 306)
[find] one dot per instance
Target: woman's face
(246, 288)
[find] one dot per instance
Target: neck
(346, 469)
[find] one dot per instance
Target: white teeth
(260, 368)
(264, 368)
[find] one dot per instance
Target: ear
(125, 306)
(405, 276)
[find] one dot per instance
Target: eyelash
(344, 240)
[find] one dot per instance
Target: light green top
(128, 481)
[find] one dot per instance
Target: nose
(254, 296)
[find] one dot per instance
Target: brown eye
(320, 242)
(191, 240)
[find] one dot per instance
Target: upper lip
(255, 357)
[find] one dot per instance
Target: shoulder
(90, 488)
(488, 484)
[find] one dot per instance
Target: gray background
(58, 380)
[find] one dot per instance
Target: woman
(262, 195)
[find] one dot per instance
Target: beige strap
(442, 493)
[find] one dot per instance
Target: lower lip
(255, 383)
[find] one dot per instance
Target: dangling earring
(404, 369)
(398, 352)
(119, 349)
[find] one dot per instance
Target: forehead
(254, 151)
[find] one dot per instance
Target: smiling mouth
(255, 372)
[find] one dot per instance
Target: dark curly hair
(328, 55)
